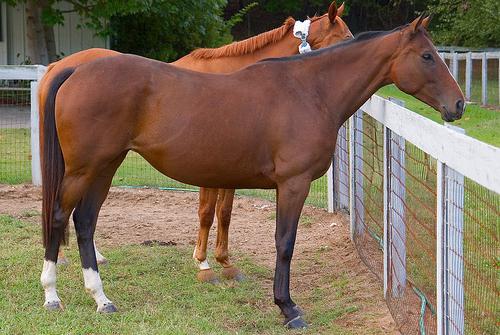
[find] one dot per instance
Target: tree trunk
(50, 40)
(35, 34)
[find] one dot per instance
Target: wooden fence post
(454, 65)
(450, 266)
(484, 79)
(356, 208)
(394, 211)
(468, 76)
(329, 186)
(340, 172)
(36, 172)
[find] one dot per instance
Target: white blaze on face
(48, 280)
(93, 285)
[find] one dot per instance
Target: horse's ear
(416, 23)
(332, 12)
(340, 10)
(425, 22)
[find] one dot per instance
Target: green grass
(155, 290)
(478, 122)
(15, 156)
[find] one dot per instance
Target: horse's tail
(51, 156)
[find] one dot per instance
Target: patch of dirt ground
(323, 248)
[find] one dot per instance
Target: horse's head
(329, 28)
(418, 70)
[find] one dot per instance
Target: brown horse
(324, 31)
(270, 125)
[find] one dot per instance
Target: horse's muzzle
(457, 114)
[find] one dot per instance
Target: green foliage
(95, 13)
(239, 16)
(471, 23)
(171, 28)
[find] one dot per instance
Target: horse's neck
(287, 46)
(346, 77)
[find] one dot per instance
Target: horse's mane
(247, 46)
(365, 36)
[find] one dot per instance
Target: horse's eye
(427, 56)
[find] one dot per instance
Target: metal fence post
(484, 79)
(468, 76)
(340, 172)
(450, 266)
(356, 207)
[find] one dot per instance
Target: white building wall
(70, 37)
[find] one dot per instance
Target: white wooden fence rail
(458, 156)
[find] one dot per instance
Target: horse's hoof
(239, 277)
(296, 323)
(207, 276)
(53, 306)
(63, 261)
(107, 308)
(233, 272)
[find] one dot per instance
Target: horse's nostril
(460, 106)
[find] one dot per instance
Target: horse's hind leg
(72, 189)
(206, 212)
(63, 260)
(101, 260)
(85, 219)
(224, 208)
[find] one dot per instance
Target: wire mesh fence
(429, 233)
(15, 135)
(411, 291)
(480, 257)
(368, 191)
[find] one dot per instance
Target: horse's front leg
(224, 208)
(206, 212)
(291, 196)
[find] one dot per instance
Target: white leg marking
(93, 285)
(100, 258)
(48, 280)
(202, 265)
